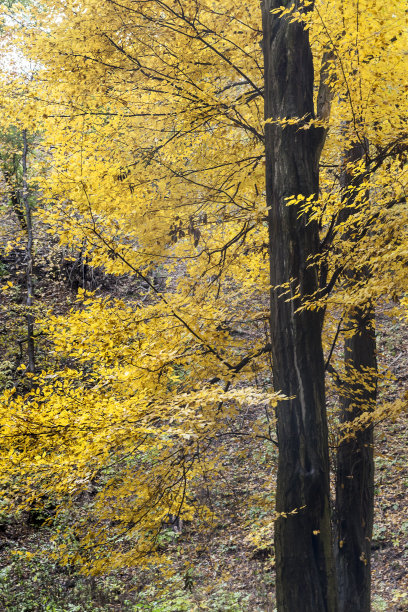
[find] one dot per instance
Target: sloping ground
(225, 565)
(216, 566)
(390, 541)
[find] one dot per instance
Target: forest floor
(226, 565)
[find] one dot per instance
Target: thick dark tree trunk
(355, 457)
(305, 577)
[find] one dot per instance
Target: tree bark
(355, 471)
(29, 261)
(16, 205)
(305, 576)
(354, 509)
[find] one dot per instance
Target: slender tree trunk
(305, 576)
(355, 457)
(29, 262)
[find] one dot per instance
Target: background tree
(18, 245)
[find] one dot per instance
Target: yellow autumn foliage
(152, 113)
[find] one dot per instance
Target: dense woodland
(204, 304)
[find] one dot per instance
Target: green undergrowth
(32, 582)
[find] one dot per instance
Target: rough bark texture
(355, 474)
(355, 457)
(305, 577)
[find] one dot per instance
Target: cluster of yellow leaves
(132, 409)
(152, 112)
